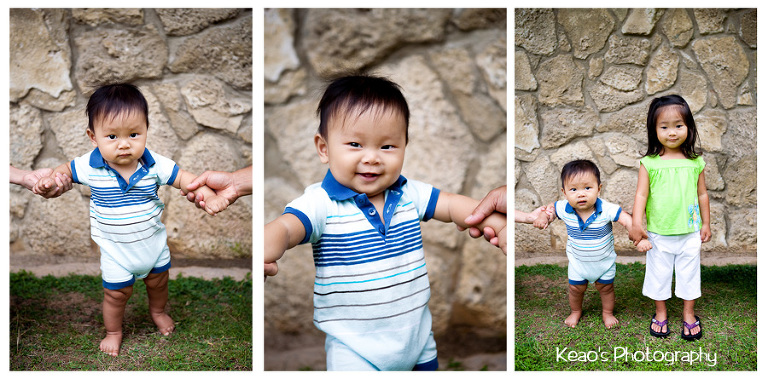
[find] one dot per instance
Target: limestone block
(629, 121)
(741, 181)
(224, 51)
(172, 103)
(661, 72)
(622, 77)
(609, 99)
(726, 65)
(677, 26)
(26, 140)
(186, 21)
(161, 137)
(192, 233)
(560, 82)
(567, 153)
(535, 30)
(333, 42)
(623, 50)
(624, 150)
(718, 226)
(291, 83)
(619, 188)
(524, 79)
(481, 289)
(294, 126)
(492, 62)
(456, 68)
(279, 53)
(526, 123)
(560, 125)
(213, 106)
(710, 21)
(740, 138)
(482, 114)
(595, 67)
(100, 16)
(693, 88)
(601, 156)
(742, 237)
(586, 37)
(479, 18)
(641, 21)
(58, 227)
(712, 175)
(39, 57)
(711, 125)
(69, 128)
(492, 172)
(544, 178)
(119, 55)
(440, 146)
(748, 28)
(44, 101)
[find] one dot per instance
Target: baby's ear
(322, 148)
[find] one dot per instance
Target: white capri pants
(680, 254)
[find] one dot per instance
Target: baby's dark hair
(655, 147)
(577, 167)
(115, 99)
(360, 93)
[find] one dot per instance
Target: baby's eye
(134, 135)
(112, 136)
(387, 147)
(355, 144)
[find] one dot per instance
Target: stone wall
(195, 69)
(582, 91)
(451, 65)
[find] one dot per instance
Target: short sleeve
(700, 164)
(165, 168)
(311, 208)
(80, 167)
(560, 208)
(612, 210)
(424, 197)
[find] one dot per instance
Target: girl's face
(671, 129)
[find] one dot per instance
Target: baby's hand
(502, 238)
(215, 204)
(45, 186)
(644, 245)
(542, 221)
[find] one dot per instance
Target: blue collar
(338, 192)
(584, 224)
(146, 161)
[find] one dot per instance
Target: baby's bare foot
(573, 319)
(610, 320)
(111, 343)
(165, 324)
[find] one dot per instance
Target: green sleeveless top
(673, 200)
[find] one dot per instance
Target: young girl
(672, 193)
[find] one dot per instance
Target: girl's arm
(636, 232)
(283, 233)
(701, 188)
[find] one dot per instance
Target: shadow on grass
(727, 308)
(56, 324)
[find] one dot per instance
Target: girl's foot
(111, 343)
(696, 327)
(165, 324)
(573, 319)
(610, 320)
(659, 326)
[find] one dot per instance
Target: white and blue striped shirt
(371, 285)
(125, 216)
(589, 240)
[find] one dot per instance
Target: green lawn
(56, 324)
(727, 308)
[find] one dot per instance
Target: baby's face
(366, 152)
(582, 191)
(121, 140)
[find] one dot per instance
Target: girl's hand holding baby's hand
(215, 204)
(542, 221)
(44, 186)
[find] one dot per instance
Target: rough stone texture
(280, 54)
(45, 67)
(597, 108)
(535, 30)
(208, 103)
(586, 37)
(726, 65)
(48, 125)
(223, 51)
(451, 65)
(641, 21)
(186, 21)
(677, 26)
(334, 44)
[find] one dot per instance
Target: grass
(727, 308)
(56, 324)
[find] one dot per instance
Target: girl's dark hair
(360, 93)
(115, 99)
(689, 145)
(576, 167)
